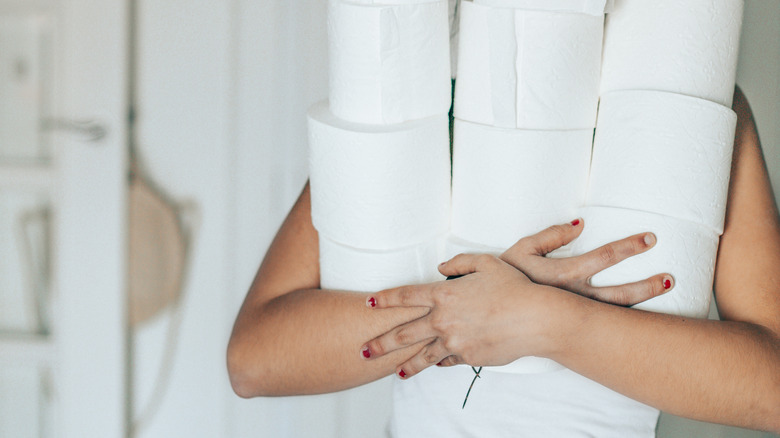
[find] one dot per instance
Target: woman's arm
(291, 337)
(719, 371)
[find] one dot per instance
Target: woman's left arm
(719, 371)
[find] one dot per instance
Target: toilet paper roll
(684, 249)
(379, 187)
(686, 47)
(389, 63)
(454, 246)
(528, 69)
(592, 7)
(664, 153)
(346, 268)
(525, 365)
(508, 183)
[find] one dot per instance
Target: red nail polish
(438, 364)
(402, 374)
(372, 302)
(575, 222)
(366, 353)
(667, 284)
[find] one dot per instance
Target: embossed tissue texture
(688, 47)
(684, 249)
(346, 268)
(528, 69)
(510, 183)
(663, 153)
(389, 63)
(592, 7)
(379, 187)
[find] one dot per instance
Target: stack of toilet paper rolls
(379, 147)
(663, 144)
(525, 109)
(380, 161)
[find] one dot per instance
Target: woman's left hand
(485, 318)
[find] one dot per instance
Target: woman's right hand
(574, 273)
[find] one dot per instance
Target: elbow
(240, 380)
(244, 375)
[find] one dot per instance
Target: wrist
(558, 315)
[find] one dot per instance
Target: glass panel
(24, 96)
(25, 402)
(24, 263)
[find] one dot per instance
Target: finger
(449, 361)
(601, 258)
(632, 293)
(463, 264)
(430, 355)
(545, 241)
(404, 296)
(399, 337)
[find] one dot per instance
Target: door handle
(88, 130)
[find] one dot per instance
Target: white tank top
(555, 404)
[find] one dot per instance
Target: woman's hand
(574, 273)
(491, 316)
(475, 319)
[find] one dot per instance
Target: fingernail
(442, 263)
(575, 222)
(650, 239)
(402, 374)
(667, 283)
(365, 352)
(438, 364)
(371, 302)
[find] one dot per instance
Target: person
(523, 304)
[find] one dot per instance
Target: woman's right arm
(291, 338)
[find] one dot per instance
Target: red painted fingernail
(438, 364)
(667, 283)
(365, 352)
(371, 302)
(575, 222)
(401, 374)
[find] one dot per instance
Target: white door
(62, 212)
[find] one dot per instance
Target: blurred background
(161, 154)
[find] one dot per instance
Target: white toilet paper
(685, 250)
(346, 268)
(592, 7)
(528, 69)
(687, 47)
(379, 187)
(389, 63)
(664, 153)
(509, 183)
(454, 246)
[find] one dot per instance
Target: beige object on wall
(157, 249)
